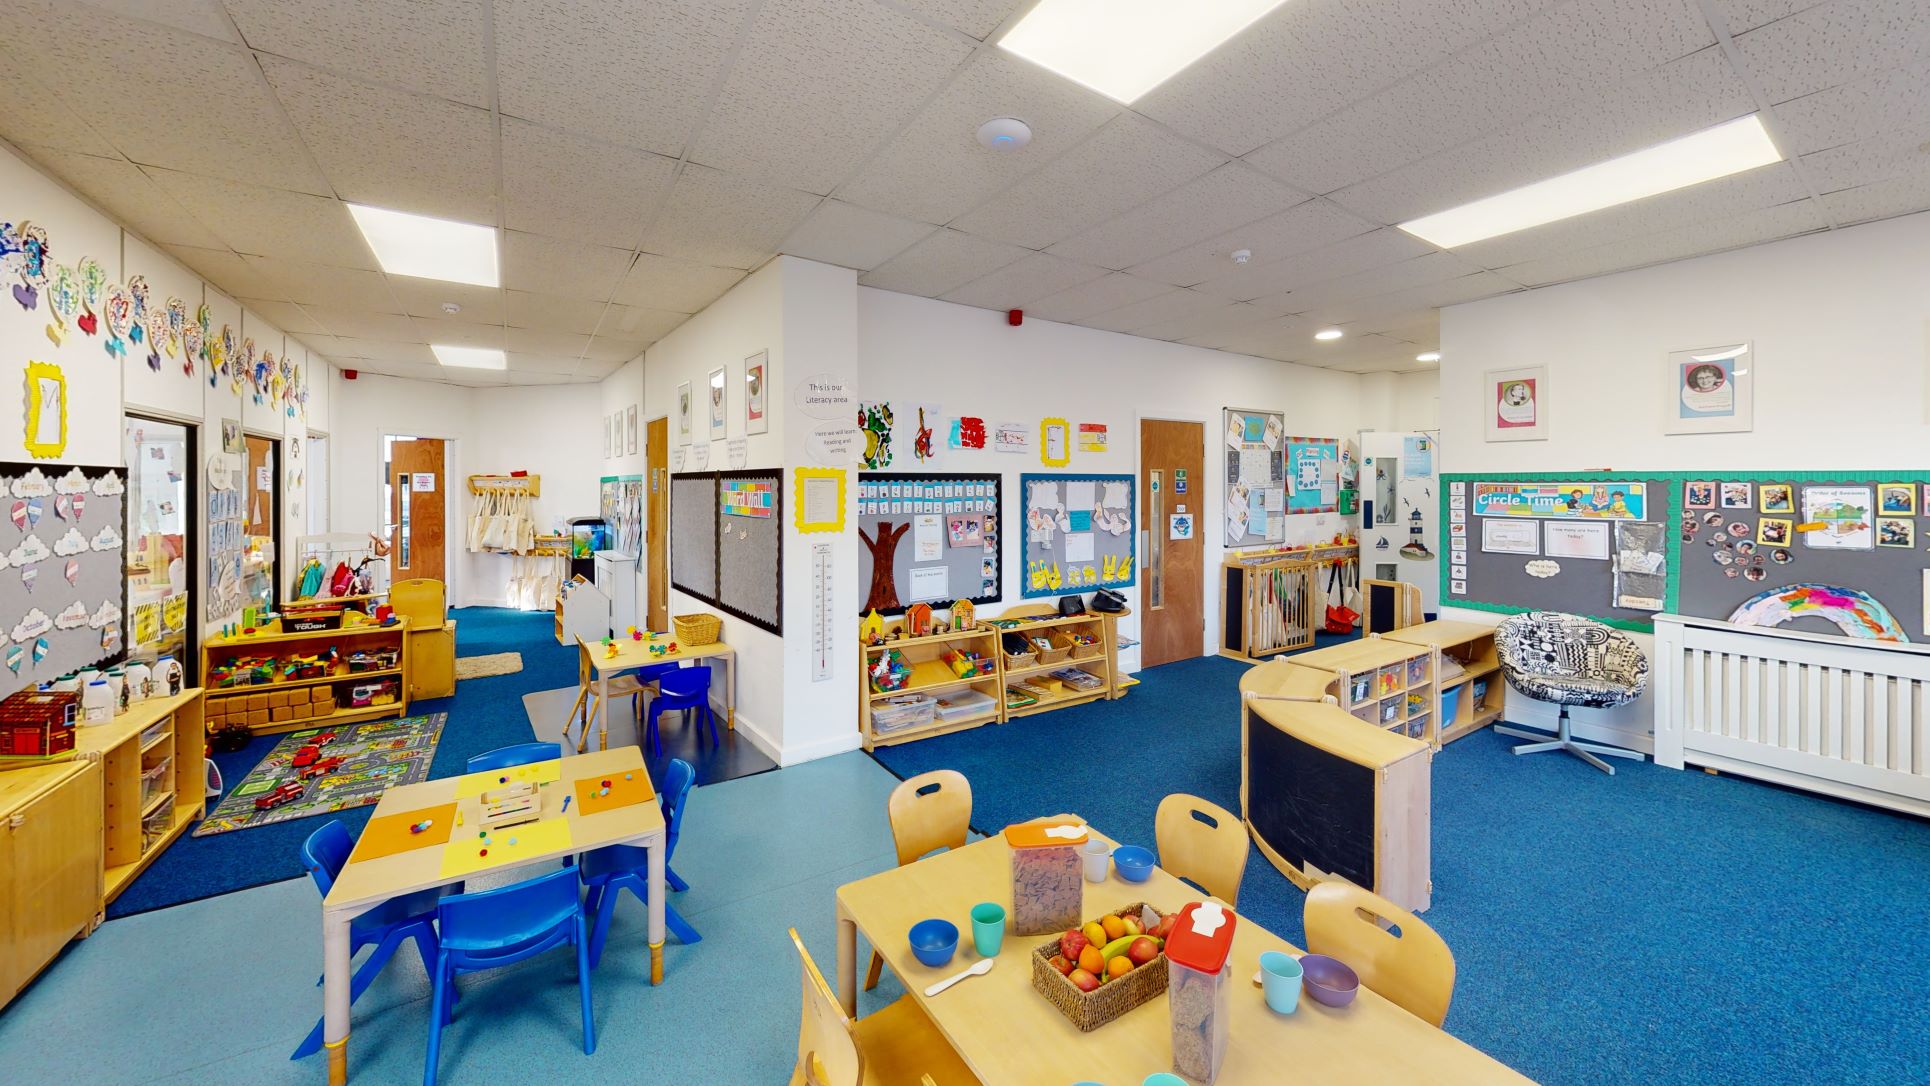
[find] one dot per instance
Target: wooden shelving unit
(171, 730)
(219, 651)
(1040, 622)
(1471, 645)
(1390, 684)
(929, 675)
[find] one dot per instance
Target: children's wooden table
(611, 801)
(609, 675)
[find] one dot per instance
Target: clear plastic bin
(898, 714)
(157, 779)
(1198, 986)
(1048, 894)
(155, 826)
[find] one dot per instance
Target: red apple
(1164, 929)
(1060, 963)
(1071, 943)
(1142, 950)
(1085, 981)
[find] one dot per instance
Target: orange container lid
(1043, 835)
(1203, 937)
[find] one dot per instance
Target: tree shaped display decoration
(884, 585)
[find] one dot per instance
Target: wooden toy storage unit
(255, 705)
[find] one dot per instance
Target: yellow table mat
(626, 787)
(390, 834)
(471, 852)
(475, 784)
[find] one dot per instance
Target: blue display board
(1078, 534)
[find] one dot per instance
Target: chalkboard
(970, 518)
(750, 547)
(1315, 808)
(1079, 533)
(693, 534)
(1256, 463)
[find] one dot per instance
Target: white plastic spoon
(979, 970)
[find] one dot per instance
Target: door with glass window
(161, 540)
(1172, 583)
(415, 508)
(261, 511)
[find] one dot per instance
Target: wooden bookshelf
(226, 701)
(1390, 684)
(1471, 645)
(151, 732)
(929, 675)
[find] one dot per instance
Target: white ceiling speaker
(1004, 134)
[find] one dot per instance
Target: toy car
(323, 739)
(326, 765)
(305, 756)
(283, 793)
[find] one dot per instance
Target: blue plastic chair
(686, 689)
(610, 870)
(493, 928)
(384, 927)
(517, 754)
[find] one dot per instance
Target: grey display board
(63, 592)
(1078, 534)
(894, 510)
(693, 534)
(1255, 450)
(750, 547)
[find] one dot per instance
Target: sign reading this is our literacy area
(1598, 500)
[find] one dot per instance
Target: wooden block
(257, 703)
(280, 714)
(257, 718)
(320, 694)
(323, 708)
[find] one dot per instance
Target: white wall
(1417, 401)
(1838, 323)
(971, 362)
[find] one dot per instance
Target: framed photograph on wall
(683, 413)
(1709, 390)
(630, 429)
(757, 419)
(716, 401)
(1517, 404)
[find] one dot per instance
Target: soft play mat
(375, 756)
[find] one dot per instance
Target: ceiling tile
(853, 237)
(1835, 43)
(1420, 271)
(525, 362)
(1355, 353)
(1226, 319)
(977, 18)
(572, 186)
(1409, 304)
(636, 74)
(1019, 283)
(362, 324)
(457, 334)
(817, 86)
(1348, 256)
(1231, 196)
(1239, 322)
(290, 318)
(32, 114)
(638, 323)
(725, 219)
(536, 341)
(1743, 15)
(429, 46)
(270, 222)
(1171, 305)
(201, 17)
(944, 261)
(1854, 111)
(1866, 162)
(681, 286)
(1746, 229)
(1310, 57)
(546, 265)
(383, 147)
(544, 379)
(1124, 164)
(614, 349)
(598, 368)
(1098, 296)
(550, 313)
(129, 195)
(1897, 196)
(349, 350)
(425, 298)
(319, 284)
(1281, 337)
(228, 272)
(139, 84)
(935, 170)
(1302, 227)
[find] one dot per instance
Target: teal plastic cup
(988, 928)
(1280, 976)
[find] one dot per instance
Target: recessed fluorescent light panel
(1328, 333)
(470, 358)
(405, 244)
(1124, 48)
(1729, 148)
(1428, 356)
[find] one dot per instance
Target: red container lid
(1203, 937)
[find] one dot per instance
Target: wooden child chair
(895, 1045)
(1203, 842)
(1414, 970)
(930, 811)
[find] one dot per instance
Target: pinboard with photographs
(928, 538)
(1078, 534)
(63, 588)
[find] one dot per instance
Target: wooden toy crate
(1090, 1010)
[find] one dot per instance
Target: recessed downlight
(1428, 356)
(1328, 333)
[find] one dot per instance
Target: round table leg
(656, 963)
(337, 1062)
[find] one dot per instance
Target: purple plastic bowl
(1329, 980)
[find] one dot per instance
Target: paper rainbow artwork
(1853, 611)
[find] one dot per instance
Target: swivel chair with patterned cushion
(1570, 660)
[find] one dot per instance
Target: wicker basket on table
(1090, 1010)
(697, 630)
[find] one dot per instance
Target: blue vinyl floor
(1655, 927)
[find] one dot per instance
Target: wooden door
(1172, 585)
(656, 448)
(416, 500)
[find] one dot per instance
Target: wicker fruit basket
(1090, 1010)
(698, 629)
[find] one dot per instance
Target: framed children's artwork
(1055, 443)
(1776, 498)
(630, 429)
(1700, 494)
(1896, 499)
(1896, 532)
(1738, 495)
(1517, 404)
(231, 441)
(46, 434)
(1709, 390)
(683, 413)
(717, 426)
(757, 419)
(606, 437)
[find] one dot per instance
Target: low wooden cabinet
(1475, 671)
(432, 661)
(153, 784)
(50, 865)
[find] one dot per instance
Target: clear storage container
(897, 714)
(1047, 894)
(1199, 979)
(156, 779)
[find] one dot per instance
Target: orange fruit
(1092, 961)
(1119, 966)
(1114, 927)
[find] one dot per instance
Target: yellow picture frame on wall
(1055, 442)
(818, 499)
(46, 394)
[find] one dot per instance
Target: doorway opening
(163, 542)
(261, 532)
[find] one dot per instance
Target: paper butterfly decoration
(31, 265)
(93, 286)
(137, 290)
(119, 308)
(176, 324)
(63, 301)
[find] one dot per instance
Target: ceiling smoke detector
(1004, 134)
(451, 308)
(1241, 256)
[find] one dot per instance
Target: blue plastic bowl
(933, 942)
(1133, 863)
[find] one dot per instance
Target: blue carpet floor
(483, 715)
(1656, 926)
